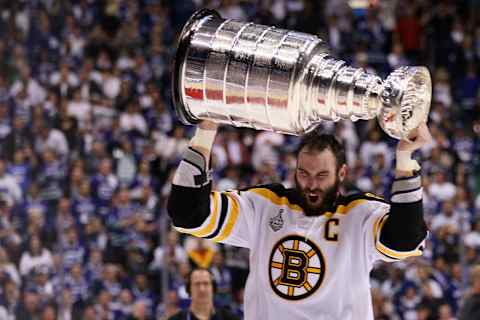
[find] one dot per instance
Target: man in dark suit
(201, 287)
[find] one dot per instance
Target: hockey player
(311, 248)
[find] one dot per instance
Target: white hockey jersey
(301, 267)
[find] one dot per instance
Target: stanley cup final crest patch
(276, 222)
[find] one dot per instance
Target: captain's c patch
(297, 268)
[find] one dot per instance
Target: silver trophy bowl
(265, 78)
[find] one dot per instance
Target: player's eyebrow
(318, 173)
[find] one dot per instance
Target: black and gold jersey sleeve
(197, 210)
(401, 233)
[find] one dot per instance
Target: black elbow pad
(188, 207)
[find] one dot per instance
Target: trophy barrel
(241, 74)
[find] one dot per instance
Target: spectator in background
(446, 218)
(9, 188)
(110, 283)
(103, 305)
(445, 312)
(397, 58)
(21, 169)
(123, 308)
(374, 145)
(64, 80)
(104, 184)
(8, 270)
(158, 116)
(76, 177)
(171, 147)
(126, 162)
(141, 291)
(95, 266)
(95, 234)
(409, 30)
(469, 87)
(50, 138)
(10, 300)
(97, 151)
(92, 312)
(265, 149)
(5, 120)
(441, 189)
(442, 91)
(80, 109)
(169, 254)
(223, 279)
(201, 288)
(235, 149)
(142, 179)
(139, 311)
(83, 206)
(65, 218)
(120, 222)
(39, 281)
(18, 137)
(472, 238)
(471, 304)
(408, 301)
(34, 92)
(231, 179)
(30, 307)
(132, 121)
(65, 310)
(72, 250)
(51, 179)
(200, 251)
(77, 285)
(170, 307)
(35, 256)
(10, 240)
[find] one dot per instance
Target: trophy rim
(182, 47)
(410, 72)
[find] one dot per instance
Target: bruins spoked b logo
(297, 268)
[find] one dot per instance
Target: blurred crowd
(89, 140)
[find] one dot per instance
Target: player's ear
(342, 172)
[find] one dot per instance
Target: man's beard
(328, 201)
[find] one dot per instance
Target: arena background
(89, 139)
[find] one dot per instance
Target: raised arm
(403, 230)
(195, 209)
(189, 201)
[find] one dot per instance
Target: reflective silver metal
(250, 75)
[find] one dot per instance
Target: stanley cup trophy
(261, 77)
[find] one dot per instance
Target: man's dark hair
(188, 283)
(316, 140)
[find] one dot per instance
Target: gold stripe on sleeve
(206, 230)
(398, 255)
(232, 218)
(385, 250)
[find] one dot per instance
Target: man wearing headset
(201, 287)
